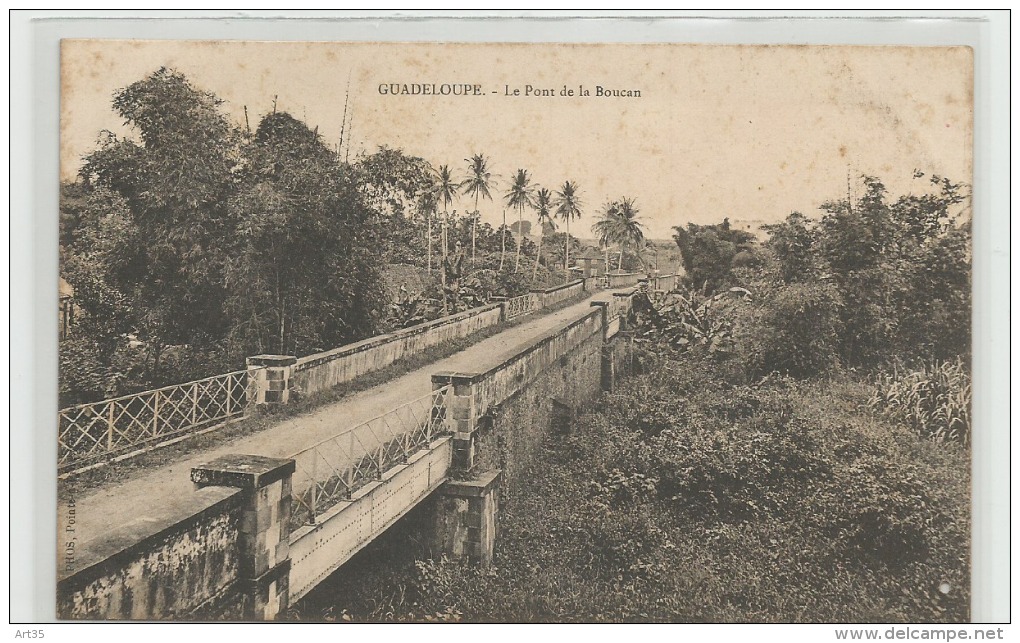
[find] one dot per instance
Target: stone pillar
(467, 516)
(265, 527)
(461, 416)
(498, 299)
(269, 379)
(538, 296)
(608, 375)
(623, 303)
(604, 305)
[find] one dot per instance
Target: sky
(746, 132)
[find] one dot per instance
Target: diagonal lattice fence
(522, 305)
(332, 470)
(92, 432)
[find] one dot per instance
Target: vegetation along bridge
(243, 530)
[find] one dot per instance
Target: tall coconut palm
(502, 242)
(568, 206)
(427, 209)
(543, 211)
(519, 196)
(618, 223)
(478, 183)
(445, 191)
(604, 228)
(629, 233)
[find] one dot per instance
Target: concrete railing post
(502, 306)
(461, 417)
(264, 540)
(538, 297)
(269, 379)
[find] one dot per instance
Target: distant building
(591, 262)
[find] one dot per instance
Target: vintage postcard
(422, 332)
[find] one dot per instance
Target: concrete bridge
(244, 530)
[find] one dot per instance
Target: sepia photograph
(448, 332)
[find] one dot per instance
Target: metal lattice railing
(93, 431)
(333, 469)
(522, 305)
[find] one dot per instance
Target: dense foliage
(196, 244)
(871, 281)
(710, 251)
(691, 495)
(745, 474)
(933, 400)
(193, 243)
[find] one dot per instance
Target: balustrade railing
(94, 431)
(330, 471)
(522, 305)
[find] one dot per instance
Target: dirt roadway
(135, 500)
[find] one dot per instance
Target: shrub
(792, 330)
(933, 401)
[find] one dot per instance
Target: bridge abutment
(264, 538)
(467, 517)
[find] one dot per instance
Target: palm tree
(604, 227)
(477, 184)
(502, 242)
(520, 195)
(619, 224)
(568, 206)
(543, 210)
(445, 190)
(629, 234)
(427, 208)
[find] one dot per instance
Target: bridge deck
(110, 507)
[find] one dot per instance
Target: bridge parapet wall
(552, 296)
(183, 558)
(500, 415)
(619, 280)
(323, 371)
(665, 283)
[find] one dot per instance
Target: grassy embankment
(689, 495)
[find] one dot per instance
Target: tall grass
(933, 400)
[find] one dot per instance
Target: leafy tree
(396, 187)
(792, 242)
(304, 271)
(478, 183)
(568, 206)
(903, 269)
(520, 195)
(708, 252)
(176, 182)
